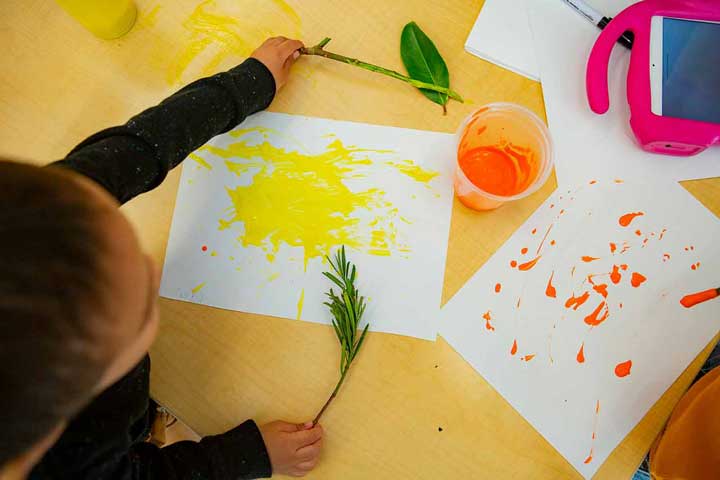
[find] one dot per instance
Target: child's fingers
(308, 437)
(310, 451)
(307, 466)
(287, 47)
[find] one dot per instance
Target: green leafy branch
(320, 50)
(347, 308)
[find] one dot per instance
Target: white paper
(556, 393)
(254, 261)
(502, 36)
(588, 145)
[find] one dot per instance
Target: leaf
(423, 61)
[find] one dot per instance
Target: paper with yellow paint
(260, 207)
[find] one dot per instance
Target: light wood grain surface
(215, 368)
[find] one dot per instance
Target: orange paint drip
(527, 358)
(613, 247)
(637, 279)
(528, 265)
(589, 458)
(513, 349)
(623, 369)
(542, 242)
(523, 251)
(487, 318)
(552, 242)
(693, 299)
(588, 259)
(624, 266)
(513, 263)
(581, 354)
(593, 319)
(626, 219)
(615, 275)
(576, 302)
(534, 230)
(660, 237)
(550, 289)
(601, 289)
(497, 288)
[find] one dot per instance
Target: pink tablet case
(667, 135)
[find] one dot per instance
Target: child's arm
(134, 158)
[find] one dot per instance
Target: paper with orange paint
(282, 191)
(577, 335)
(590, 146)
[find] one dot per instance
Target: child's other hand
(278, 54)
(293, 449)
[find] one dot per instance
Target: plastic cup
(106, 19)
(504, 153)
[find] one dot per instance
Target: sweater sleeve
(234, 455)
(135, 158)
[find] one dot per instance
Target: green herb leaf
(423, 61)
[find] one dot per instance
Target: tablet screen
(691, 70)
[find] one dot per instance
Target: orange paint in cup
(504, 153)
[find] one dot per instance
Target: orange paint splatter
(615, 275)
(513, 349)
(624, 266)
(638, 233)
(691, 300)
(601, 289)
(550, 289)
(527, 358)
(588, 459)
(528, 265)
(593, 182)
(593, 319)
(497, 288)
(542, 242)
(581, 354)
(618, 180)
(626, 219)
(695, 266)
(623, 369)
(613, 247)
(552, 242)
(620, 305)
(534, 230)
(637, 279)
(513, 263)
(576, 302)
(523, 251)
(666, 257)
(662, 233)
(552, 205)
(487, 318)
(588, 259)
(518, 302)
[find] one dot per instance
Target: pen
(599, 20)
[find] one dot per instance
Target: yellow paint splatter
(300, 303)
(150, 18)
(200, 161)
(198, 288)
(273, 276)
(302, 200)
(221, 32)
(414, 171)
(213, 253)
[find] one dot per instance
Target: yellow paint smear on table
(218, 32)
(198, 288)
(301, 200)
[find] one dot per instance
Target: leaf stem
(332, 395)
(320, 51)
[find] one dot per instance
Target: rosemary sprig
(347, 308)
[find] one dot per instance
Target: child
(78, 305)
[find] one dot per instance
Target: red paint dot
(204, 248)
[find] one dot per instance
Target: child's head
(77, 303)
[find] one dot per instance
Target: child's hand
(278, 54)
(293, 449)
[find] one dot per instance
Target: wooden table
(412, 409)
